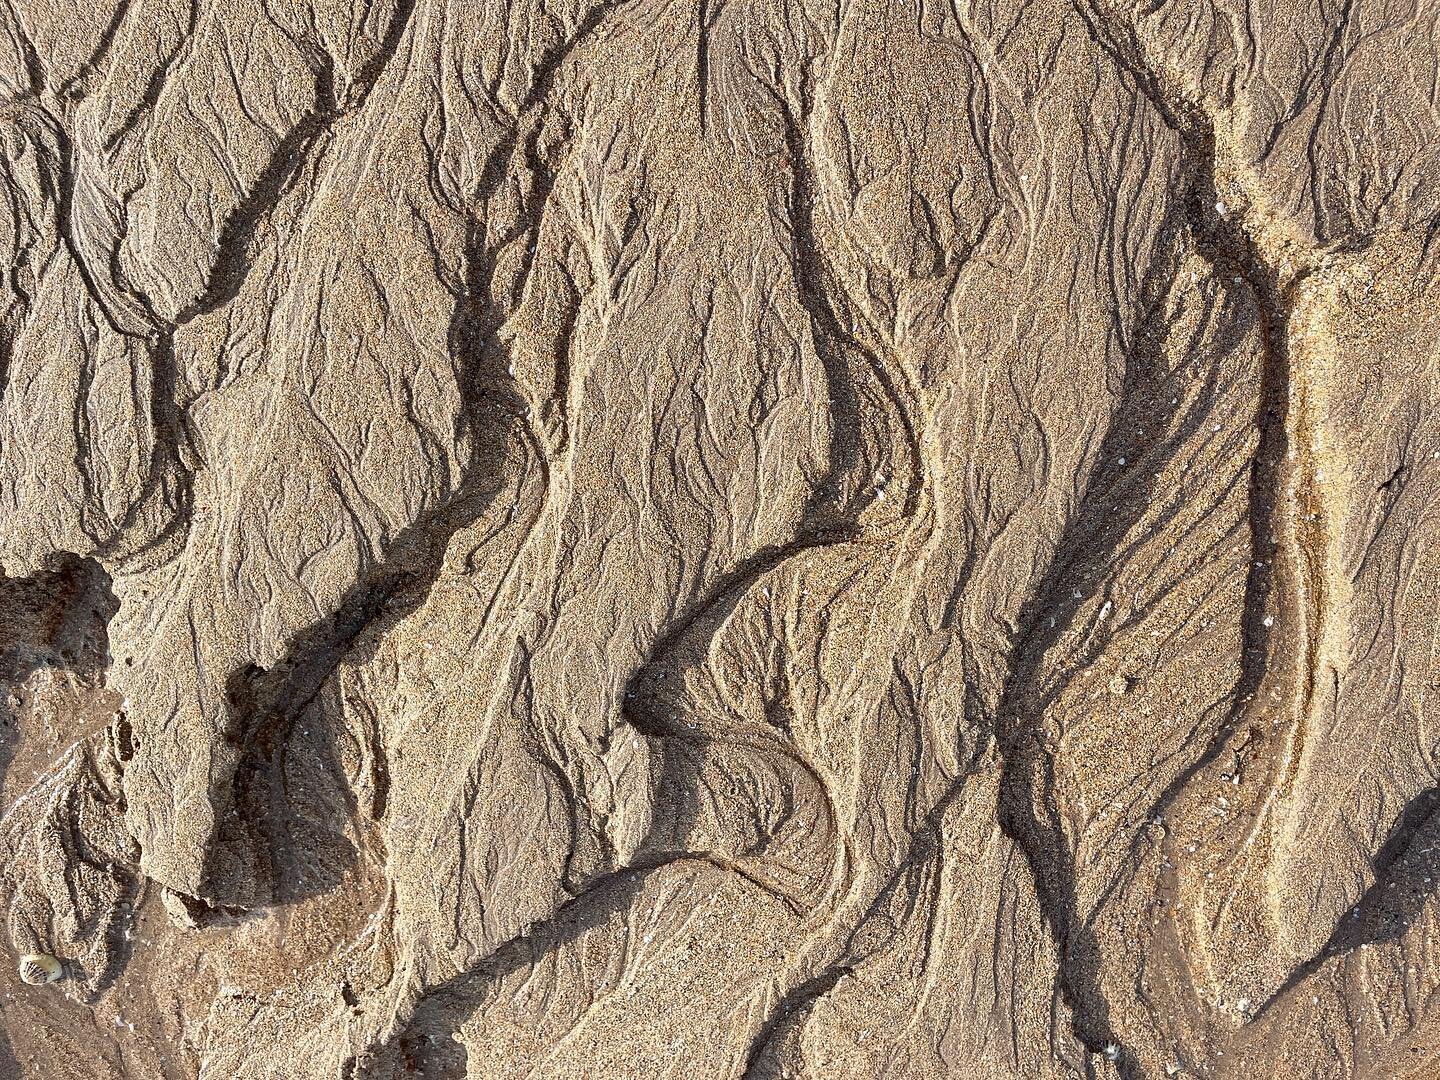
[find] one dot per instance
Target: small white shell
(37, 969)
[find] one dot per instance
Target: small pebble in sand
(37, 969)
(1119, 684)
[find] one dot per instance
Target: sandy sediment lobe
(642, 539)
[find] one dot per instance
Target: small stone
(37, 969)
(1119, 684)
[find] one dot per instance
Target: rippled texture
(719, 539)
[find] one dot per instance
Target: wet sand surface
(719, 539)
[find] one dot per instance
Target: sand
(723, 539)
